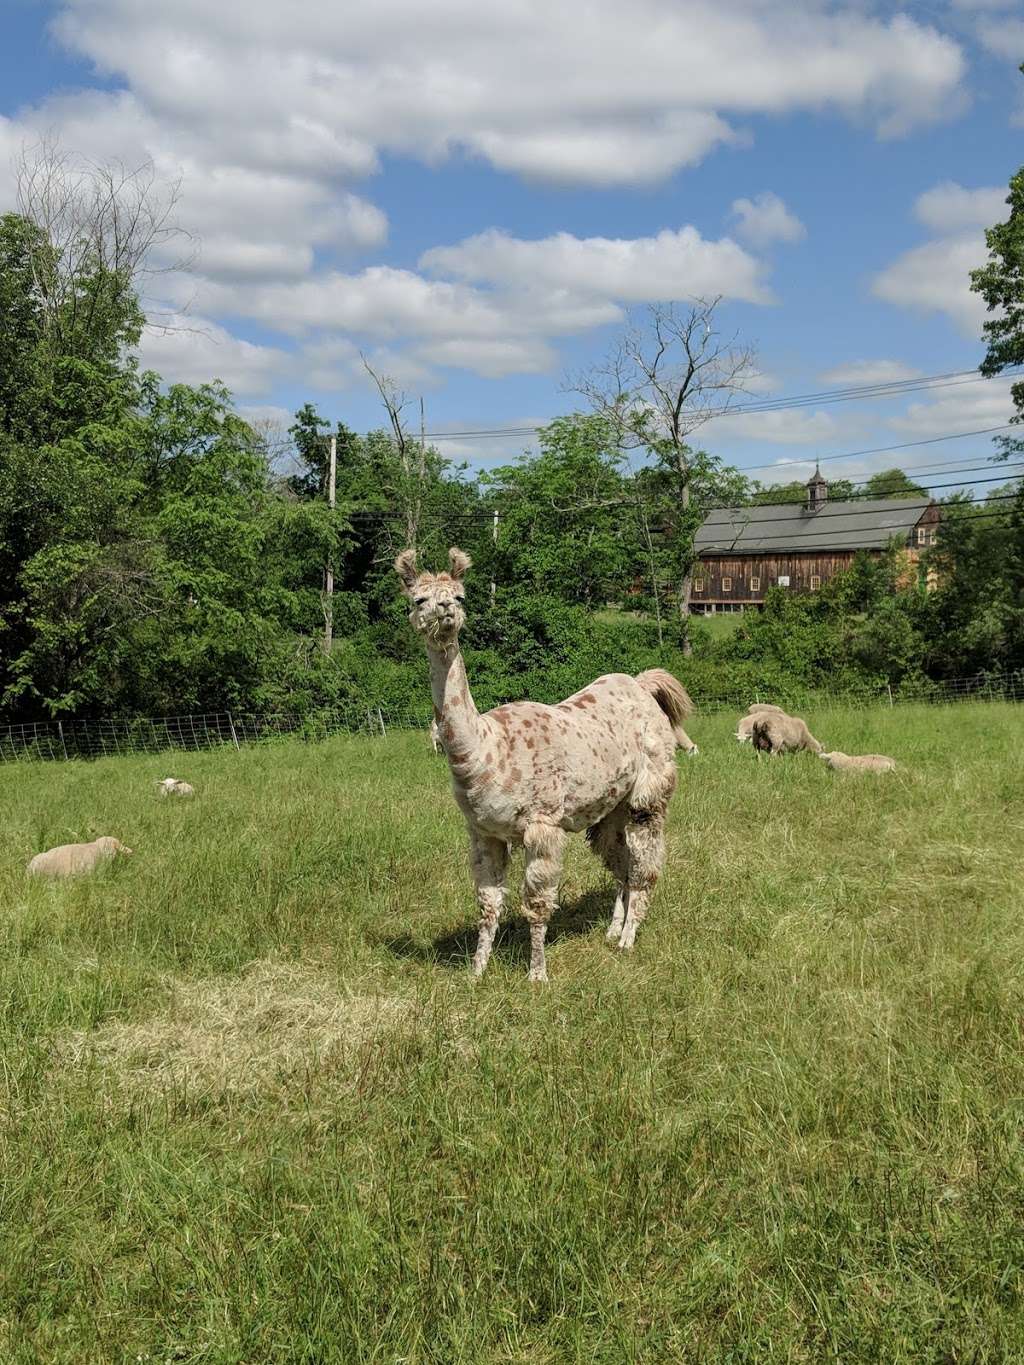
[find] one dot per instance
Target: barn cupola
(817, 491)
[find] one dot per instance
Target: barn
(744, 551)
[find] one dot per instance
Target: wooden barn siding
(800, 568)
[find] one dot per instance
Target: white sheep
(68, 860)
(776, 733)
(858, 763)
(173, 786)
(435, 738)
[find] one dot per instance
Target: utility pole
(332, 476)
(494, 538)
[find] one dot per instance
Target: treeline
(158, 554)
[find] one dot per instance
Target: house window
(932, 536)
(921, 534)
(698, 585)
(727, 585)
(815, 582)
(755, 584)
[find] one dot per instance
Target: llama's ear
(458, 563)
(405, 567)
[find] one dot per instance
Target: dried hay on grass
(238, 1033)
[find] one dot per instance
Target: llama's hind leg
(645, 839)
(490, 869)
(608, 839)
(544, 845)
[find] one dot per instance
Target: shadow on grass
(512, 941)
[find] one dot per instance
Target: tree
(893, 483)
(104, 230)
(1000, 282)
(412, 455)
(566, 516)
(670, 373)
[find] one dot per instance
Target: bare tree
(105, 228)
(671, 372)
(412, 454)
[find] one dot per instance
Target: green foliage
(154, 559)
(893, 483)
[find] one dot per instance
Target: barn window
(755, 583)
(698, 585)
(727, 585)
(921, 534)
(815, 582)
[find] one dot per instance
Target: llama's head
(436, 598)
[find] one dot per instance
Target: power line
(891, 389)
(880, 450)
(487, 515)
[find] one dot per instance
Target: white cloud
(951, 208)
(765, 220)
(270, 113)
(795, 426)
(673, 265)
(492, 358)
(857, 372)
(608, 154)
(935, 277)
(585, 91)
(1003, 37)
(961, 407)
(195, 350)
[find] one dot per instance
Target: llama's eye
(419, 601)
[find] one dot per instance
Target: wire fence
(90, 737)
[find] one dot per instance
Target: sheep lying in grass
(745, 728)
(173, 786)
(859, 763)
(69, 860)
(776, 733)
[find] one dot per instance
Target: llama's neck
(461, 725)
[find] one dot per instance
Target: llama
(526, 774)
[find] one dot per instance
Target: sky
(476, 196)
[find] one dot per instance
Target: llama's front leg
(490, 868)
(645, 839)
(544, 846)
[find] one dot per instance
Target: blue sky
(476, 196)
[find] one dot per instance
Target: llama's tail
(672, 697)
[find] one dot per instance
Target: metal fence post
(60, 731)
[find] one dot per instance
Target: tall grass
(254, 1109)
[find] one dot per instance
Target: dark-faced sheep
(745, 726)
(781, 734)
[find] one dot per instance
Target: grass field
(254, 1109)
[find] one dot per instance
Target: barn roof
(860, 524)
